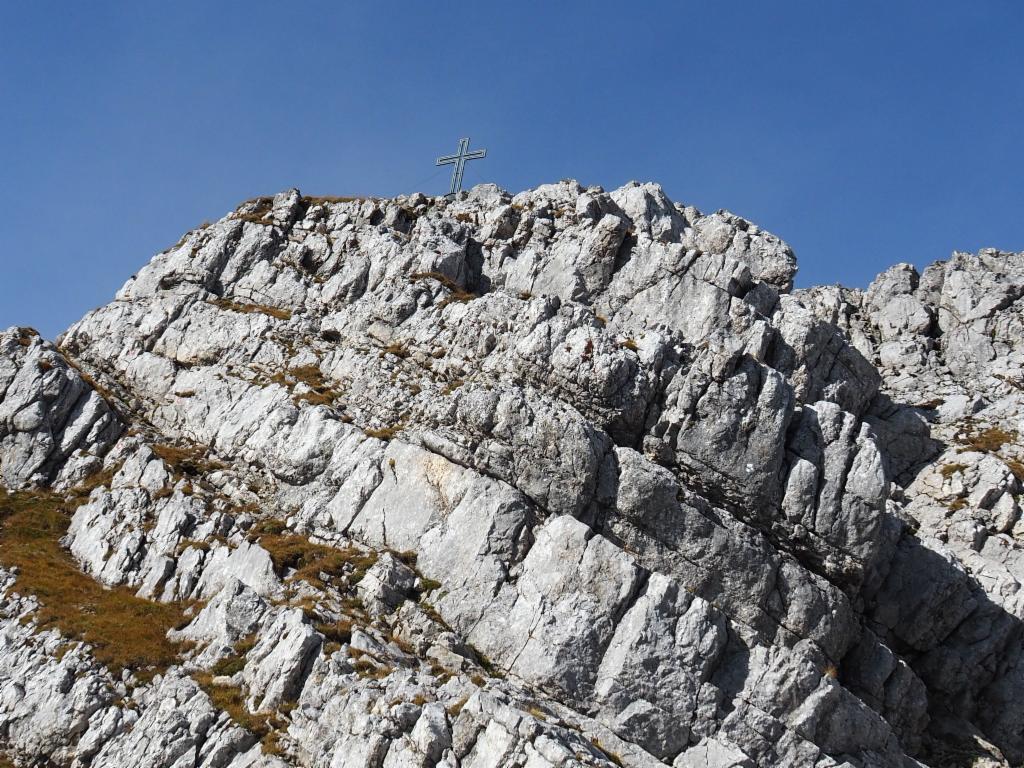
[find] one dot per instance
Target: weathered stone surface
(54, 427)
(570, 477)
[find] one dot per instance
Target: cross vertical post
(459, 160)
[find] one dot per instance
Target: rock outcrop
(562, 478)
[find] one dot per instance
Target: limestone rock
(570, 477)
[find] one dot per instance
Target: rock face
(563, 478)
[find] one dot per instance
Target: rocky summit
(565, 478)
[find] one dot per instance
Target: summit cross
(459, 160)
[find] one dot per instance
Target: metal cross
(459, 160)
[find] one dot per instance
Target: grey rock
(632, 499)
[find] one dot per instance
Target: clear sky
(864, 133)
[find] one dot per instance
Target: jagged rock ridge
(569, 477)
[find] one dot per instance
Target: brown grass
(248, 309)
(1017, 468)
(25, 336)
(455, 291)
(321, 391)
(231, 700)
(125, 631)
(397, 349)
(256, 216)
(988, 440)
(451, 386)
(187, 460)
(234, 662)
(614, 757)
(327, 199)
(384, 433)
(454, 709)
(366, 667)
(630, 344)
(948, 470)
(314, 563)
(336, 632)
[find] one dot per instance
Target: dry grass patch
(234, 662)
(613, 756)
(384, 433)
(454, 709)
(261, 207)
(248, 309)
(187, 460)
(125, 631)
(335, 633)
(313, 563)
(397, 349)
(988, 440)
(367, 666)
(320, 392)
(230, 700)
(948, 470)
(455, 291)
(25, 336)
(328, 199)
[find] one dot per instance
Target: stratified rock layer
(564, 478)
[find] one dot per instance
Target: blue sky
(864, 133)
